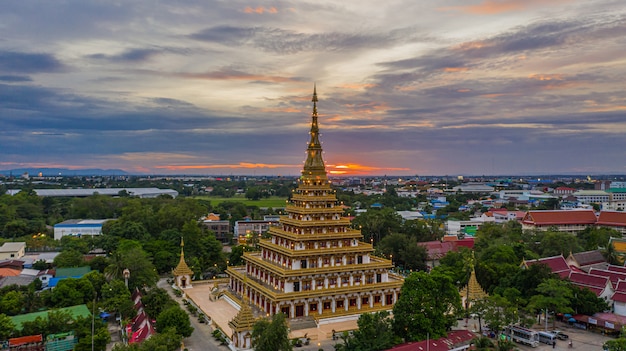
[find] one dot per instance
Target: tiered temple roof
(315, 263)
(244, 320)
(182, 268)
(473, 291)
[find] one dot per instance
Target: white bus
(523, 335)
(546, 337)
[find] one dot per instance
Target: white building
(78, 228)
(592, 196)
(12, 251)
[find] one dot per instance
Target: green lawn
(274, 201)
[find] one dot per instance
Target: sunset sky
(405, 87)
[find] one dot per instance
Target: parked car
(559, 334)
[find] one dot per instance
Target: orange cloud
(493, 7)
(472, 45)
(239, 165)
(282, 109)
(353, 168)
(356, 86)
(455, 69)
(464, 90)
(260, 10)
(547, 76)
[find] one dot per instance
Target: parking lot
(582, 340)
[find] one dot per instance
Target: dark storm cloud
(289, 42)
(22, 62)
(13, 78)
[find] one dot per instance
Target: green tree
(69, 258)
(74, 243)
(156, 300)
(554, 295)
(375, 333)
(271, 335)
(586, 302)
(6, 327)
(615, 345)
(593, 238)
(455, 264)
(168, 340)
(129, 255)
(424, 306)
(557, 243)
(175, 317)
(235, 258)
(483, 343)
(499, 312)
(12, 303)
(116, 298)
(71, 292)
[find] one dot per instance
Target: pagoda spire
(182, 268)
(314, 165)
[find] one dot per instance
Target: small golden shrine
(472, 291)
(182, 272)
(242, 326)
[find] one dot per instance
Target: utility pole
(93, 320)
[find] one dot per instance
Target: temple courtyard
(220, 312)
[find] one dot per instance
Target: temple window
(352, 302)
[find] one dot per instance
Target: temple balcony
(311, 210)
(239, 273)
(320, 223)
(314, 197)
(281, 271)
(304, 252)
(329, 235)
(324, 186)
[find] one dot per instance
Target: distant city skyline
(475, 87)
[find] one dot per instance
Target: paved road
(201, 338)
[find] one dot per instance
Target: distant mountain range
(49, 172)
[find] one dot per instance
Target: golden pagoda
(314, 264)
(472, 291)
(182, 273)
(242, 326)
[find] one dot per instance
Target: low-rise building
(246, 228)
(562, 221)
(78, 228)
(14, 250)
(220, 227)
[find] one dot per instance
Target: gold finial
(314, 164)
(182, 242)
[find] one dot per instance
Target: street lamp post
(126, 274)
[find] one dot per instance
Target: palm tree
(483, 343)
